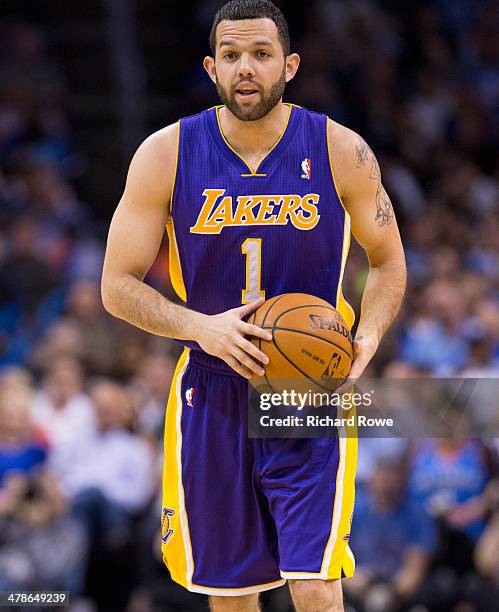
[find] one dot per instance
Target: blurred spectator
(393, 543)
(488, 546)
(63, 412)
(434, 340)
(15, 377)
(31, 93)
(62, 339)
(97, 330)
(25, 276)
(483, 327)
(447, 479)
(150, 389)
(20, 448)
(111, 482)
(483, 366)
(132, 349)
(33, 522)
(55, 204)
(112, 471)
(61, 407)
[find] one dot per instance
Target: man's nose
(245, 68)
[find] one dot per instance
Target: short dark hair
(252, 9)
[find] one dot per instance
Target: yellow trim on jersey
(331, 165)
(346, 311)
(255, 171)
(176, 277)
(173, 256)
(176, 555)
(174, 173)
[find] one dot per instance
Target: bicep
(373, 221)
(138, 223)
(134, 239)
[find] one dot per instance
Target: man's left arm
(374, 226)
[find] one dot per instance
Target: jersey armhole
(331, 167)
(342, 304)
(170, 204)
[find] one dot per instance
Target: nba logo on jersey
(306, 168)
(189, 396)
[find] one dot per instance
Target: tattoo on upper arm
(375, 171)
(384, 208)
(362, 154)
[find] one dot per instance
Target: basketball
(311, 346)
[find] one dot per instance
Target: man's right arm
(135, 235)
(134, 239)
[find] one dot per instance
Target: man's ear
(209, 66)
(292, 63)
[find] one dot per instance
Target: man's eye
(263, 54)
(229, 56)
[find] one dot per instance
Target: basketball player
(258, 197)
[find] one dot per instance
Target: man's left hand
(363, 351)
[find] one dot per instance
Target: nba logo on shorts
(306, 168)
(189, 396)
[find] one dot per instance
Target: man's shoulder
(162, 141)
(153, 163)
(343, 141)
(351, 158)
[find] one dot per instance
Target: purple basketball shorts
(241, 515)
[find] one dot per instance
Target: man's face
(250, 68)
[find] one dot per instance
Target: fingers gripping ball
(311, 346)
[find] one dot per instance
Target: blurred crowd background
(83, 396)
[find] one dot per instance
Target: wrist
(195, 323)
(368, 339)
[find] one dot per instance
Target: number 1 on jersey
(252, 248)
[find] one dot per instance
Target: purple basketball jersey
(241, 233)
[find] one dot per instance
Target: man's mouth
(246, 92)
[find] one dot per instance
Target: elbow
(107, 298)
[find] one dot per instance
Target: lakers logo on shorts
(166, 530)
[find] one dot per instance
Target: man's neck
(254, 139)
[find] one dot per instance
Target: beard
(268, 99)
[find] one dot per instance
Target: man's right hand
(224, 336)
